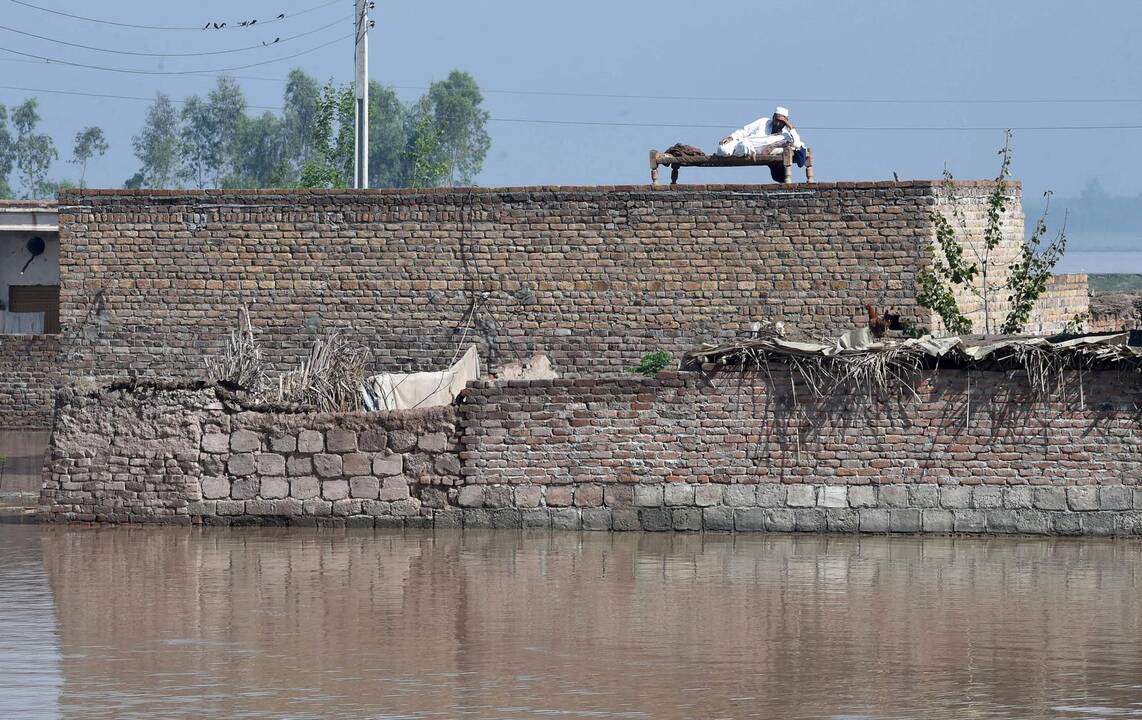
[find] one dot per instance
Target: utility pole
(361, 53)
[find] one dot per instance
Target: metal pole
(361, 135)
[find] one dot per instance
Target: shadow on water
(272, 623)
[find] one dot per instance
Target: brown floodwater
(248, 623)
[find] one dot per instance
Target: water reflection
(29, 646)
(253, 624)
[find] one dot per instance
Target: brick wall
(29, 370)
(152, 281)
(964, 428)
(1067, 299)
(594, 276)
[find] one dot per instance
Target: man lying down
(765, 136)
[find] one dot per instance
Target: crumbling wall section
(179, 453)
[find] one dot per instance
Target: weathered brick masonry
(597, 276)
(594, 276)
(973, 452)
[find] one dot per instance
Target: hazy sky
(838, 65)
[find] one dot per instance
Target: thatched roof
(858, 359)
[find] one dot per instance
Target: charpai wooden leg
(808, 165)
(653, 167)
(787, 160)
(673, 174)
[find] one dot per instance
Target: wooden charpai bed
(674, 162)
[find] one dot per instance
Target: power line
(140, 98)
(838, 101)
(277, 41)
(700, 126)
(825, 101)
(216, 26)
(132, 71)
(815, 128)
(775, 99)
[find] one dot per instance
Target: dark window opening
(37, 299)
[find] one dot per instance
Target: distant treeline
(215, 142)
(1094, 219)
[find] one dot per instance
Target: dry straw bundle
(328, 379)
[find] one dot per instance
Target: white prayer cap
(783, 112)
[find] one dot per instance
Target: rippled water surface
(158, 623)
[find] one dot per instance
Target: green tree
(35, 152)
(89, 142)
(198, 141)
(157, 146)
(211, 132)
(464, 139)
(426, 164)
(261, 155)
(302, 96)
(387, 137)
(331, 164)
(1030, 274)
(7, 153)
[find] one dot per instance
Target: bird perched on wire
(880, 325)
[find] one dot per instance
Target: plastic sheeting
(405, 391)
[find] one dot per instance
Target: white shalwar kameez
(756, 137)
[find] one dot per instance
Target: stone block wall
(175, 453)
(30, 368)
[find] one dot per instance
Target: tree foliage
(213, 141)
(7, 153)
(461, 121)
(157, 146)
(1032, 271)
(331, 163)
(34, 152)
(89, 142)
(426, 162)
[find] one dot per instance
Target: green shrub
(652, 362)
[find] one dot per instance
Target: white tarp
(404, 391)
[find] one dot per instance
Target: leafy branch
(951, 275)
(1032, 271)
